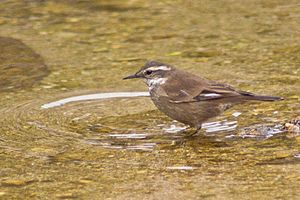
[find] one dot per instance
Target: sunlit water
(68, 130)
(144, 141)
(94, 97)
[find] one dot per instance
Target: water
(93, 97)
(72, 128)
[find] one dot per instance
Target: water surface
(123, 148)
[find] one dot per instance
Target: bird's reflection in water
(172, 137)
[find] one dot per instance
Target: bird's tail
(251, 96)
(263, 98)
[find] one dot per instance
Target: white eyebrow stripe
(164, 68)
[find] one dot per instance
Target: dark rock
(20, 66)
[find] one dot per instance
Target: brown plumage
(188, 98)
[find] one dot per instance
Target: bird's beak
(132, 76)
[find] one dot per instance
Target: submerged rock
(20, 66)
(293, 126)
(291, 129)
(261, 131)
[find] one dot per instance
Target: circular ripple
(115, 123)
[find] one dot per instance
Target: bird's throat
(152, 83)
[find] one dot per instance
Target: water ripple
(94, 97)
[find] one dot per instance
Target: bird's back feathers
(184, 87)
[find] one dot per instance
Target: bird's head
(152, 70)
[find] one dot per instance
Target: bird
(189, 98)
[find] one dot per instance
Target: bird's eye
(148, 72)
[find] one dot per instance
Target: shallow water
(62, 53)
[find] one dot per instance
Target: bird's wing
(180, 89)
(193, 89)
(217, 91)
(209, 92)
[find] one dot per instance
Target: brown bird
(189, 98)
